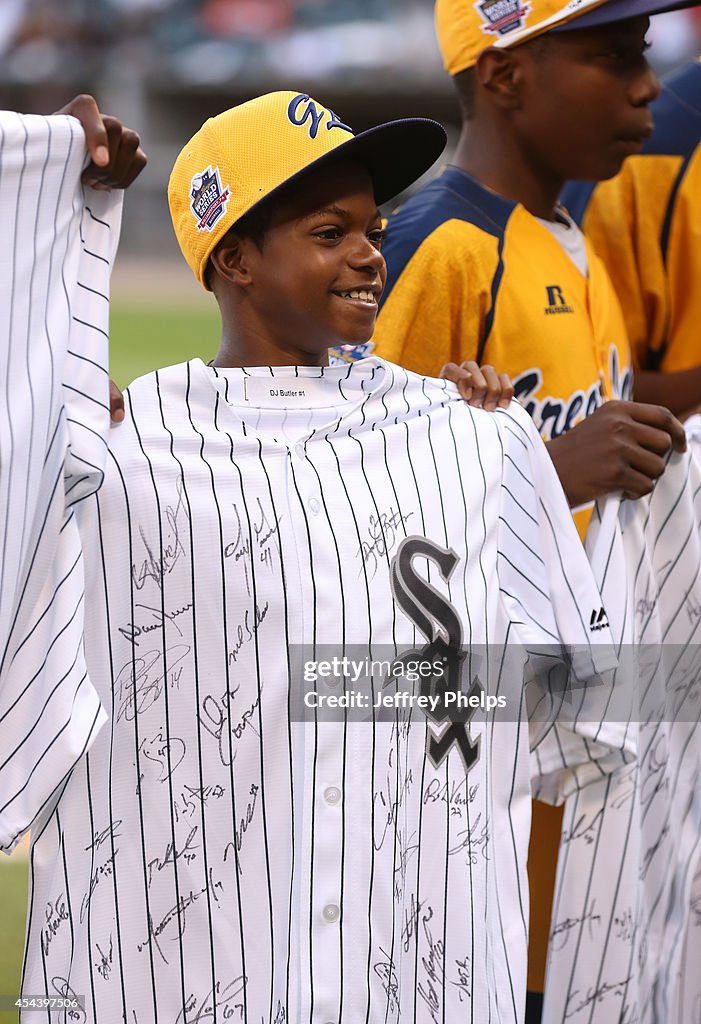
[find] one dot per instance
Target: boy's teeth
(358, 293)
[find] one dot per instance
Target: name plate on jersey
(290, 392)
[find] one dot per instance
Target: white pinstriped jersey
(58, 242)
(626, 927)
(214, 857)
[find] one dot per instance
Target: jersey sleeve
(630, 842)
(548, 588)
(437, 308)
(59, 242)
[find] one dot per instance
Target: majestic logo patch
(208, 200)
(599, 620)
(502, 16)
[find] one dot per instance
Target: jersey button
(314, 506)
(299, 450)
(332, 795)
(331, 913)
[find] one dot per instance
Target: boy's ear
(230, 260)
(499, 72)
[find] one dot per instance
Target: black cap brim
(621, 10)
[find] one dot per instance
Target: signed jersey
(645, 225)
(624, 940)
(58, 243)
(472, 275)
(266, 830)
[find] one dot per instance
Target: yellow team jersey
(474, 276)
(646, 226)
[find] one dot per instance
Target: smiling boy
(222, 852)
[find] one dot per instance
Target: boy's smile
(364, 296)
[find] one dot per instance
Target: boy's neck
(493, 159)
(236, 351)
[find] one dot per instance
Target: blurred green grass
(142, 339)
(13, 904)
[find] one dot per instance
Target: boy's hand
(620, 447)
(116, 403)
(116, 156)
(480, 386)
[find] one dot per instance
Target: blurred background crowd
(199, 42)
(163, 66)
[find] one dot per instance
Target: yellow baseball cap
(245, 155)
(465, 28)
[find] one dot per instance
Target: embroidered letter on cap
(313, 114)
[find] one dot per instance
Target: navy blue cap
(620, 10)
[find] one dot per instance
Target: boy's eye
(626, 53)
(377, 236)
(329, 233)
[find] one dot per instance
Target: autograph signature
(155, 567)
(383, 533)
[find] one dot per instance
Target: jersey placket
(320, 872)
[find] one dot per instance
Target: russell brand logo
(208, 200)
(556, 301)
(502, 16)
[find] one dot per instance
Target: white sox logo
(437, 619)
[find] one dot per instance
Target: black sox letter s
(438, 620)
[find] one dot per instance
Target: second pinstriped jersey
(626, 928)
(219, 854)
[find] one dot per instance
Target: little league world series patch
(502, 16)
(208, 200)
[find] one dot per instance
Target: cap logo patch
(208, 200)
(502, 16)
(302, 109)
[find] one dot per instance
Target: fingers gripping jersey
(224, 849)
(625, 920)
(58, 244)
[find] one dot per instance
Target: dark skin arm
(620, 447)
(679, 392)
(116, 155)
(116, 403)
